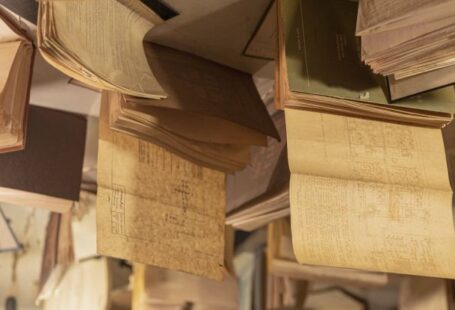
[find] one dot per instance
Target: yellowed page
(282, 262)
(372, 226)
(376, 15)
(365, 150)
(105, 37)
(369, 195)
(156, 208)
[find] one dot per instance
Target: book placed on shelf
(411, 43)
(211, 117)
(47, 173)
(371, 195)
(16, 65)
(319, 68)
(282, 262)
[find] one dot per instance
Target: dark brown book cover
(51, 164)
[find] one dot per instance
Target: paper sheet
(369, 195)
(156, 208)
(107, 38)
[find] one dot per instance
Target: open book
(187, 204)
(212, 116)
(76, 36)
(156, 208)
(371, 195)
(319, 68)
(16, 63)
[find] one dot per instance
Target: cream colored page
(8, 53)
(376, 13)
(372, 226)
(7, 239)
(357, 149)
(263, 43)
(107, 37)
(158, 209)
(375, 43)
(369, 195)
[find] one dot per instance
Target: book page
(372, 226)
(156, 208)
(369, 195)
(8, 52)
(197, 85)
(106, 37)
(263, 42)
(358, 149)
(376, 14)
(267, 171)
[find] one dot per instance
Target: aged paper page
(376, 15)
(263, 43)
(106, 38)
(358, 149)
(372, 226)
(8, 52)
(156, 208)
(369, 195)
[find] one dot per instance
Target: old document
(369, 195)
(100, 43)
(156, 208)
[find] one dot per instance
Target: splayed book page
(369, 195)
(156, 208)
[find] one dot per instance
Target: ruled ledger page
(369, 195)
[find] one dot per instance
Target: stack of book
(319, 69)
(410, 42)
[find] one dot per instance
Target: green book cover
(323, 57)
